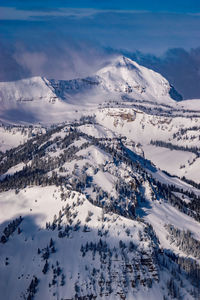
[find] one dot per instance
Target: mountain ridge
(119, 77)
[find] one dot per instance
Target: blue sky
(179, 6)
(148, 26)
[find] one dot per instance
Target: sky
(184, 6)
(64, 39)
(148, 26)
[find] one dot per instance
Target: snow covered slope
(31, 89)
(32, 101)
(85, 254)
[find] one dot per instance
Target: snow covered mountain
(37, 99)
(121, 76)
(99, 188)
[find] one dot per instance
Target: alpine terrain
(100, 188)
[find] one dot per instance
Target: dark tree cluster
(165, 191)
(32, 289)
(10, 228)
(184, 241)
(170, 146)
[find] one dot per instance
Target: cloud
(12, 13)
(10, 69)
(61, 60)
(34, 62)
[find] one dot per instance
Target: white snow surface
(38, 205)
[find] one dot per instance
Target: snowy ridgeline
(85, 216)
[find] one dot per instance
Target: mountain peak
(123, 61)
(119, 62)
(124, 75)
